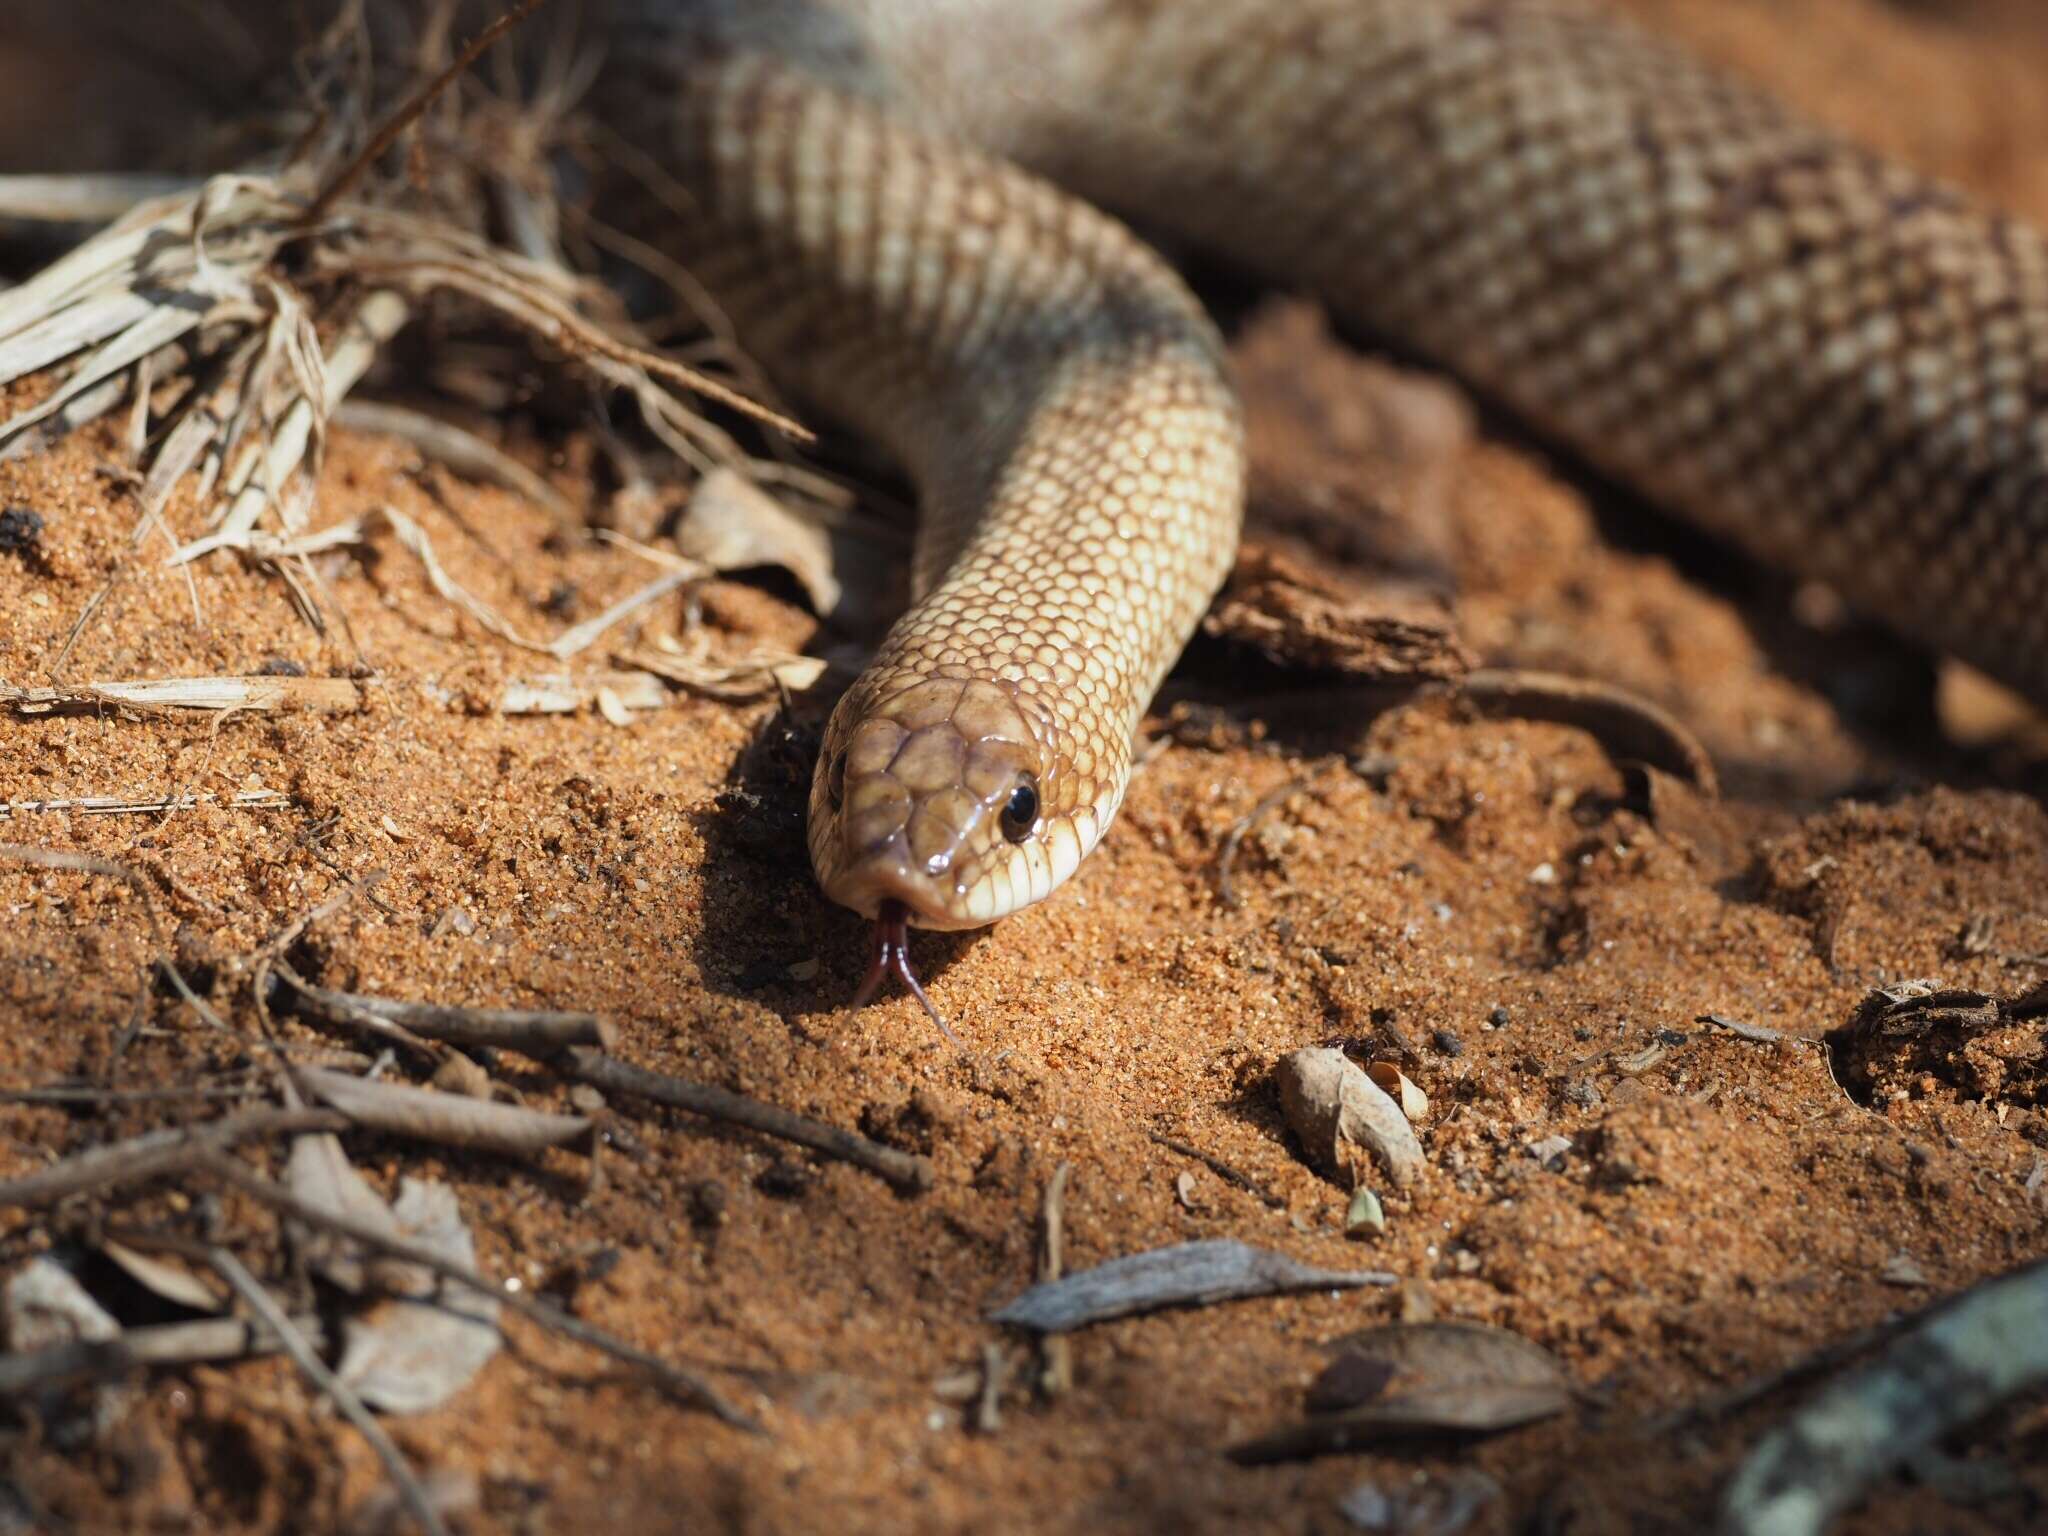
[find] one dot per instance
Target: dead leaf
(166, 1277)
(1420, 1378)
(749, 674)
(1188, 1274)
(731, 524)
(410, 1354)
(1627, 725)
(319, 1173)
(1396, 1085)
(1334, 1109)
(44, 1307)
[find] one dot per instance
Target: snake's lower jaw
(926, 902)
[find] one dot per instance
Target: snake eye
(835, 779)
(1020, 815)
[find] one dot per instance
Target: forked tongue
(892, 958)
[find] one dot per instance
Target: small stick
(1057, 1378)
(294, 1343)
(451, 1119)
(1222, 1170)
(176, 1150)
(209, 1338)
(988, 1407)
(74, 1093)
(340, 1008)
(684, 1385)
(537, 1032)
(905, 1170)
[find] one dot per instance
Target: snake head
(940, 793)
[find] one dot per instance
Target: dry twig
(178, 1150)
(905, 1170)
(295, 1344)
(537, 1032)
(1057, 1377)
(684, 1385)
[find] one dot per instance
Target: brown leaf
(732, 524)
(1335, 1110)
(1349, 1381)
(1627, 725)
(1443, 1378)
(1398, 1086)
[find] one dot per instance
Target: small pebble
(1500, 1018)
(783, 1181)
(21, 528)
(708, 1203)
(1446, 1042)
(586, 1099)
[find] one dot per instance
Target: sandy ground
(1496, 893)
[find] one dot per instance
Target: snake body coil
(1835, 363)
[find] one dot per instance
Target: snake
(918, 216)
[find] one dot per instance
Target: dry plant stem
(685, 1386)
(122, 805)
(294, 1343)
(537, 1032)
(988, 1407)
(1227, 861)
(339, 185)
(83, 199)
(174, 1151)
(1056, 1349)
(212, 1338)
(449, 1119)
(558, 323)
(159, 695)
(905, 1170)
(337, 1009)
(1222, 1170)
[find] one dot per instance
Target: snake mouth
(891, 957)
(886, 878)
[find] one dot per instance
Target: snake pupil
(1020, 815)
(835, 779)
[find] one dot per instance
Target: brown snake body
(1834, 363)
